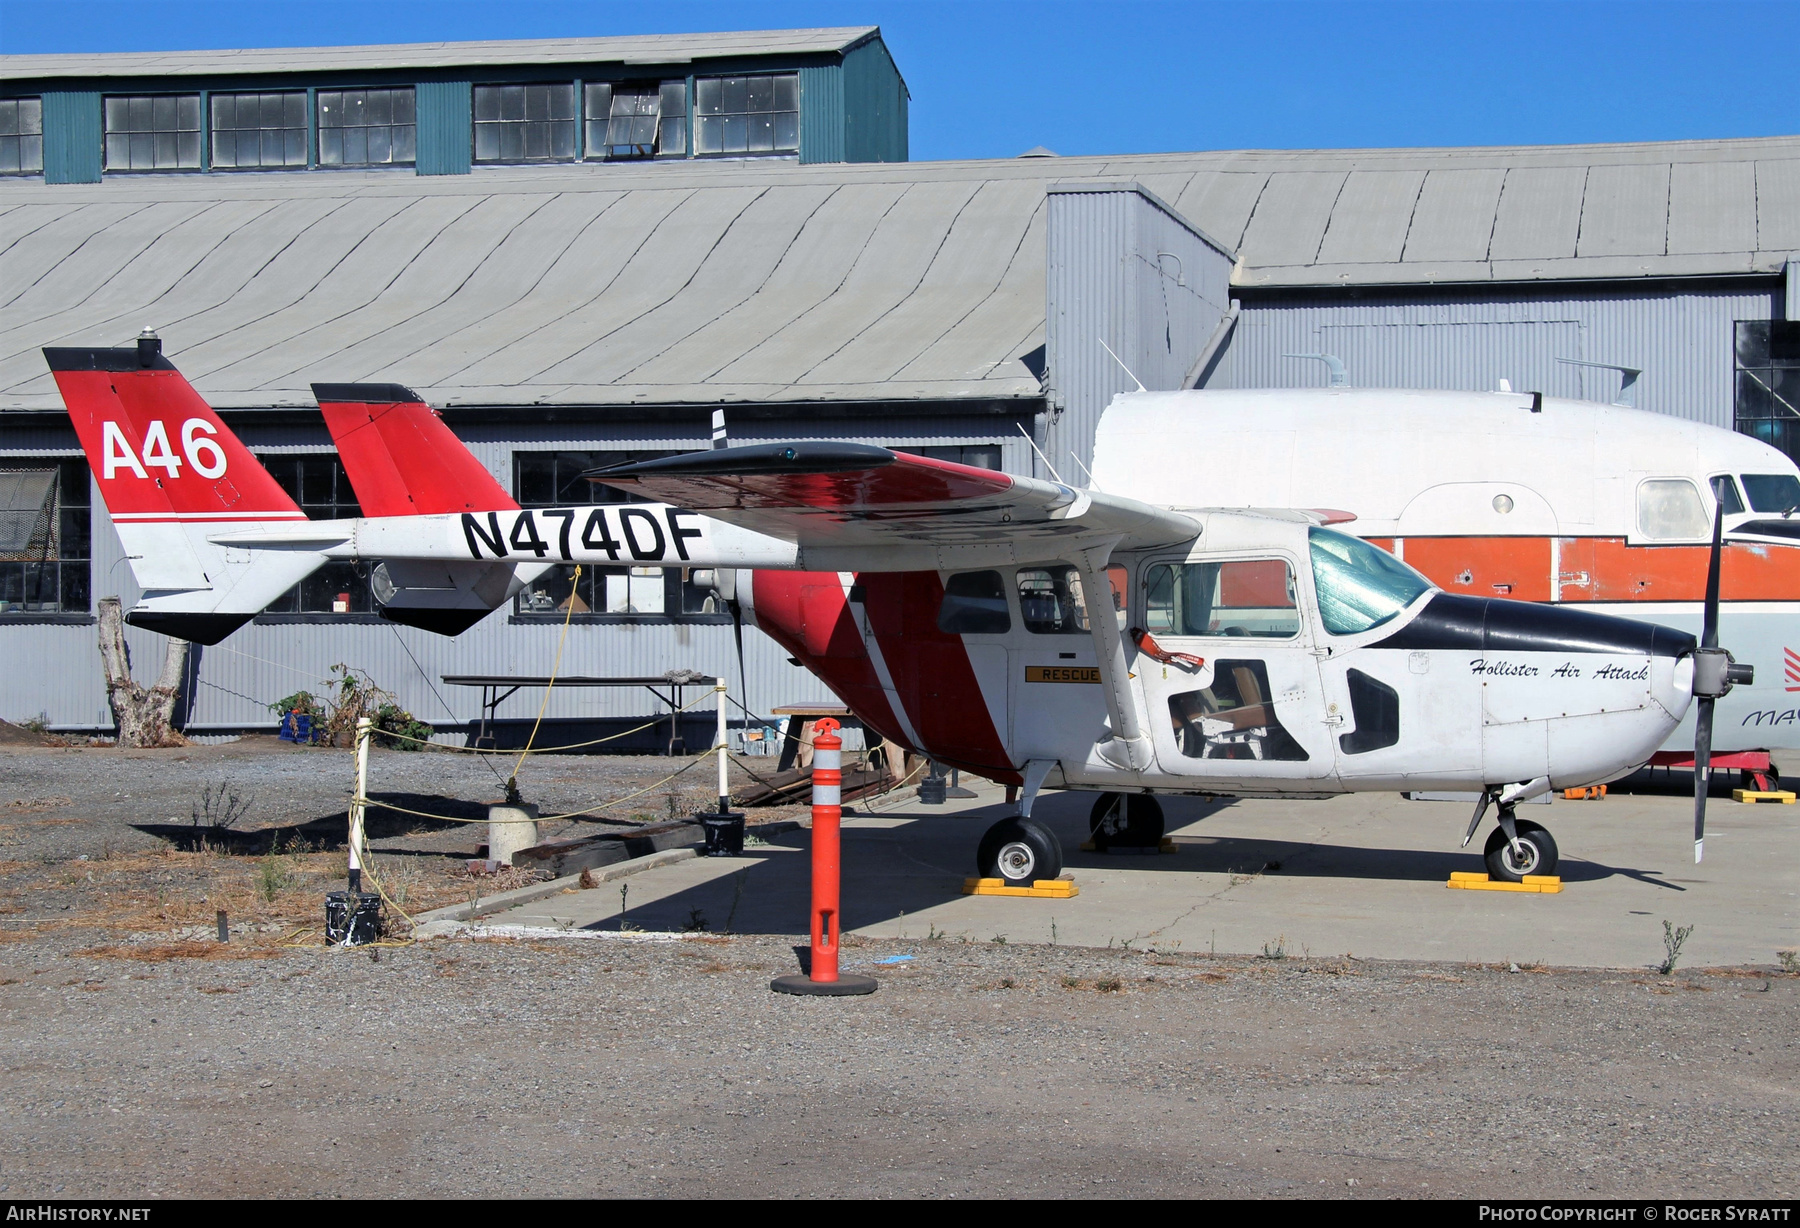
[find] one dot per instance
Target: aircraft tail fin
(403, 461)
(171, 475)
(401, 458)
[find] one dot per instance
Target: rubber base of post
(847, 985)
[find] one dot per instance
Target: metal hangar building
(577, 249)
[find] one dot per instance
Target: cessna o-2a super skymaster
(963, 613)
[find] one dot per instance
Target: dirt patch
(162, 952)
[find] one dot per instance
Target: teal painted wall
(822, 114)
(875, 120)
(72, 137)
(446, 127)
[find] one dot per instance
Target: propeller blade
(737, 631)
(1709, 628)
(1703, 725)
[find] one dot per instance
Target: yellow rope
(512, 782)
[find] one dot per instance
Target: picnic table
(497, 688)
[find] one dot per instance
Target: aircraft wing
(859, 507)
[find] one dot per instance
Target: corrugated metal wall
(54, 670)
(822, 114)
(875, 127)
(446, 127)
(1122, 267)
(1471, 338)
(73, 138)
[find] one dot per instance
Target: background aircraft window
(367, 127)
(1768, 382)
(1772, 492)
(525, 123)
(153, 132)
(736, 115)
(320, 486)
(21, 136)
(1051, 602)
(974, 604)
(1239, 597)
(44, 539)
(635, 119)
(606, 593)
(1725, 493)
(1669, 509)
(255, 130)
(1359, 586)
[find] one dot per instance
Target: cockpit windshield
(1360, 586)
(1772, 492)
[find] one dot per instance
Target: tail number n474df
(202, 451)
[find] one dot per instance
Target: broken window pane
(367, 127)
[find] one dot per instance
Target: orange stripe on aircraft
(1600, 569)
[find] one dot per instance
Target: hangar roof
(767, 281)
(635, 48)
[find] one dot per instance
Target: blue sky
(992, 78)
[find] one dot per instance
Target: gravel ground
(141, 1058)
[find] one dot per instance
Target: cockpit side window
(1238, 597)
(1725, 492)
(1360, 586)
(974, 604)
(1669, 509)
(1772, 492)
(1051, 601)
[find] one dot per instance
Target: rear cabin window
(1051, 601)
(1238, 597)
(1669, 509)
(1772, 492)
(974, 604)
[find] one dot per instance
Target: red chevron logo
(1793, 669)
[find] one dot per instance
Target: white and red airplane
(1024, 630)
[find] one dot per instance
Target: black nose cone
(1490, 624)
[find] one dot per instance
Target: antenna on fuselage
(1340, 378)
(1122, 366)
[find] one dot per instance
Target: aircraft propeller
(1715, 673)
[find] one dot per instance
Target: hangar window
(21, 136)
(1768, 383)
(525, 123)
(635, 119)
(605, 593)
(43, 540)
(747, 115)
(979, 455)
(367, 127)
(258, 130)
(320, 486)
(153, 132)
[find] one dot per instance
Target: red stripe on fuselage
(808, 614)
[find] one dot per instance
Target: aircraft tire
(1541, 855)
(1020, 851)
(1142, 827)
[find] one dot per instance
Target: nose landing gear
(1517, 847)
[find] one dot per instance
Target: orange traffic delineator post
(823, 978)
(1533, 884)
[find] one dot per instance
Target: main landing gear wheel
(1021, 851)
(1539, 856)
(1126, 820)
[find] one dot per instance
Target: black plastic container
(933, 790)
(724, 834)
(352, 918)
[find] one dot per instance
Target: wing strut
(1128, 748)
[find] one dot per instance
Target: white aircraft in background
(965, 614)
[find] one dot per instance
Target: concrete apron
(1362, 875)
